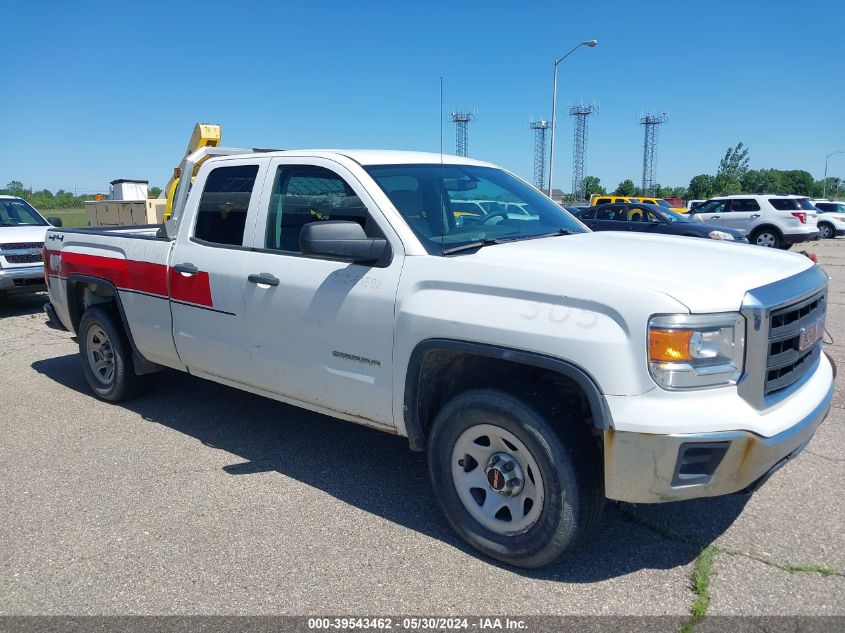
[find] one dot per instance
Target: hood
(13, 234)
(704, 275)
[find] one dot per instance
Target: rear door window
(224, 203)
(744, 204)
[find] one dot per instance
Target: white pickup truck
(22, 231)
(543, 367)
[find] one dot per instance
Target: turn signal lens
(669, 345)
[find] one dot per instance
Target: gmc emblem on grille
(811, 333)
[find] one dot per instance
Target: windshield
(435, 200)
(670, 216)
(15, 212)
(664, 203)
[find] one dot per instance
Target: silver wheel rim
(100, 355)
(766, 239)
(825, 231)
(511, 509)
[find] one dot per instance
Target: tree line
(733, 176)
(46, 199)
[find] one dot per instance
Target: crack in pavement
(703, 565)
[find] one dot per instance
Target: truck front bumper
(23, 279)
(654, 468)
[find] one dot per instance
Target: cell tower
(462, 120)
(579, 147)
(539, 128)
(650, 122)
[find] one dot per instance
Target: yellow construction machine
(205, 135)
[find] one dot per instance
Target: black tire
(567, 457)
(767, 237)
(122, 383)
(826, 231)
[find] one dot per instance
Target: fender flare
(413, 423)
(142, 365)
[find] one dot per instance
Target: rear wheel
(766, 237)
(826, 231)
(107, 357)
(516, 479)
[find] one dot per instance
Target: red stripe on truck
(127, 274)
(123, 273)
(193, 288)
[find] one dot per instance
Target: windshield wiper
(469, 246)
(502, 240)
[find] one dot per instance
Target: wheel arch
(763, 227)
(76, 285)
(830, 224)
(437, 370)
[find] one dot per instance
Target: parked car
(831, 218)
(650, 218)
(542, 366)
(597, 199)
(773, 221)
(22, 231)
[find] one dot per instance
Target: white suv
(768, 220)
(831, 218)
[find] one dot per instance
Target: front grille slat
(23, 259)
(27, 258)
(786, 363)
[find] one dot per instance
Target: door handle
(186, 269)
(265, 279)
(715, 217)
(754, 215)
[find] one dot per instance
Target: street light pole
(590, 43)
(826, 158)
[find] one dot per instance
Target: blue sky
(112, 90)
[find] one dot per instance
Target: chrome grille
(11, 252)
(786, 362)
(774, 315)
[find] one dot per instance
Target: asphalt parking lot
(199, 499)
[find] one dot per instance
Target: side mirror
(340, 239)
(57, 222)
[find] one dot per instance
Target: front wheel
(107, 357)
(518, 481)
(826, 231)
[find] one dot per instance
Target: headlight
(695, 351)
(720, 235)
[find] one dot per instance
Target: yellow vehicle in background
(597, 198)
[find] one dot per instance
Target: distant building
(557, 195)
